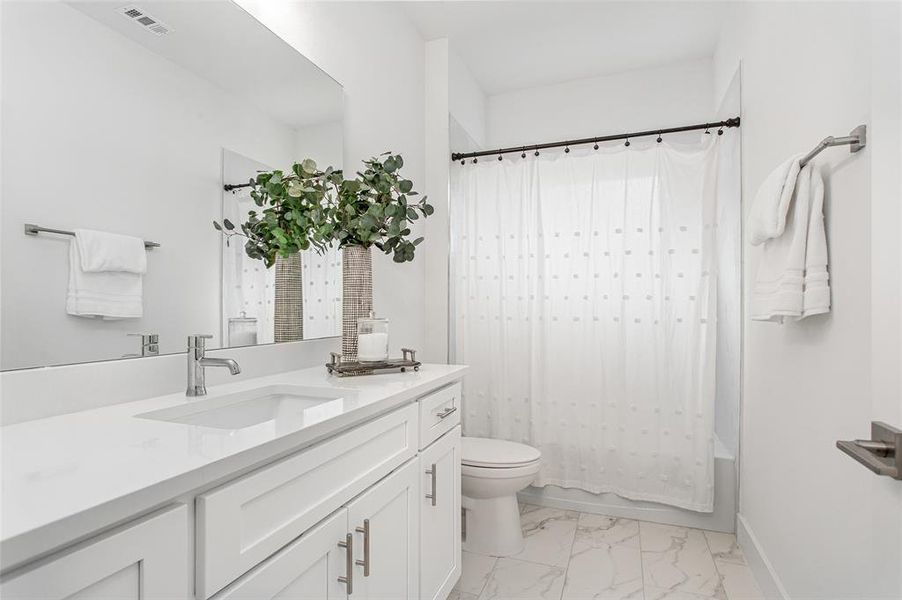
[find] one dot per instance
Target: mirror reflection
(125, 125)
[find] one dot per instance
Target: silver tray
(341, 368)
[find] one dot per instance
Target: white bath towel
(102, 251)
(817, 278)
(107, 294)
(792, 280)
(767, 218)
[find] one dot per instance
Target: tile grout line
(720, 576)
(570, 556)
(641, 558)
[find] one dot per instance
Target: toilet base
(493, 526)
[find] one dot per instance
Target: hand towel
(767, 218)
(108, 294)
(101, 252)
(792, 281)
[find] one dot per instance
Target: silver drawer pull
(365, 563)
(348, 545)
(447, 412)
(434, 473)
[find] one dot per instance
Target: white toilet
(492, 472)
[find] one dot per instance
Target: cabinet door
(307, 569)
(440, 517)
(146, 560)
(384, 522)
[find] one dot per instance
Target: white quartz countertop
(66, 476)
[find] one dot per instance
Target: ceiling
(514, 45)
(225, 45)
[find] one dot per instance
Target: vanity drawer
(439, 413)
(242, 522)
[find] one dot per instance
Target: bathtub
(722, 519)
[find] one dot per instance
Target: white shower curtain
(583, 299)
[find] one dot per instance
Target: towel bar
(32, 229)
(856, 140)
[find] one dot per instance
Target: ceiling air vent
(151, 24)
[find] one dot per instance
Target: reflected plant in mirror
(309, 208)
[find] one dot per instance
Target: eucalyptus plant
(308, 208)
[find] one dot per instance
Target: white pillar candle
(372, 346)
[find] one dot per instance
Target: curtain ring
(720, 131)
(627, 144)
(659, 137)
(537, 152)
(523, 155)
(596, 145)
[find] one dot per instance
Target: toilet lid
(485, 452)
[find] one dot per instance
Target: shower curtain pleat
(583, 299)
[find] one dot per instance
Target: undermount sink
(278, 403)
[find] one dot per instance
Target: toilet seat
(527, 470)
(486, 453)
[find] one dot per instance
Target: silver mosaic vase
(288, 319)
(357, 295)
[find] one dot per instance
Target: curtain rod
(734, 122)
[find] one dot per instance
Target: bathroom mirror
(133, 119)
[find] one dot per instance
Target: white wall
(826, 526)
(108, 135)
(466, 100)
(680, 94)
(436, 229)
(729, 275)
(378, 56)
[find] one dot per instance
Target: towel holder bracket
(856, 140)
(32, 229)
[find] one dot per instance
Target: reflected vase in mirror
(357, 295)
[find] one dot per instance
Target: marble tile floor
(580, 556)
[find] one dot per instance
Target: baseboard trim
(767, 578)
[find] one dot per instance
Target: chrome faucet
(197, 362)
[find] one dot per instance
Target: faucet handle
(198, 340)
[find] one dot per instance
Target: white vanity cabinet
(385, 524)
(369, 512)
(144, 560)
(244, 521)
(440, 541)
(308, 568)
(368, 550)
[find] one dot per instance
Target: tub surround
(66, 477)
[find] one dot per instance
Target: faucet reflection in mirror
(306, 207)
